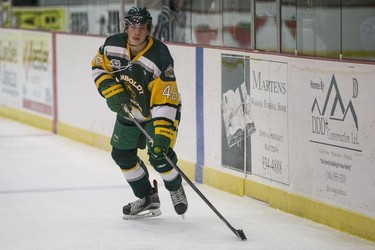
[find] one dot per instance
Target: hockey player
(134, 69)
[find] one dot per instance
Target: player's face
(137, 34)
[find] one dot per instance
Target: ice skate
(179, 201)
(147, 206)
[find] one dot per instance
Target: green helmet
(138, 16)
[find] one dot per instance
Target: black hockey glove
(116, 97)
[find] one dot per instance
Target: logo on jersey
(130, 90)
(97, 60)
(115, 63)
(115, 138)
(132, 82)
(169, 72)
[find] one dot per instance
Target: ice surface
(56, 193)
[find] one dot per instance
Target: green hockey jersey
(148, 77)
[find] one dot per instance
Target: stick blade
(241, 234)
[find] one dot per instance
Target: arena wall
(297, 133)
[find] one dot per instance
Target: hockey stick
(238, 232)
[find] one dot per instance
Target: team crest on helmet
(169, 72)
(115, 63)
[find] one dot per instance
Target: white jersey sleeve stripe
(165, 112)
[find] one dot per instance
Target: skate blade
(183, 216)
(146, 214)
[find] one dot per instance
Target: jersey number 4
(169, 93)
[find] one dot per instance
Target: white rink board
(26, 71)
(185, 75)
(332, 135)
(269, 100)
(308, 169)
(80, 104)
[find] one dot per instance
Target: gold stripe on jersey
(102, 78)
(113, 90)
(96, 73)
(162, 122)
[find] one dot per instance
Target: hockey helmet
(138, 16)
